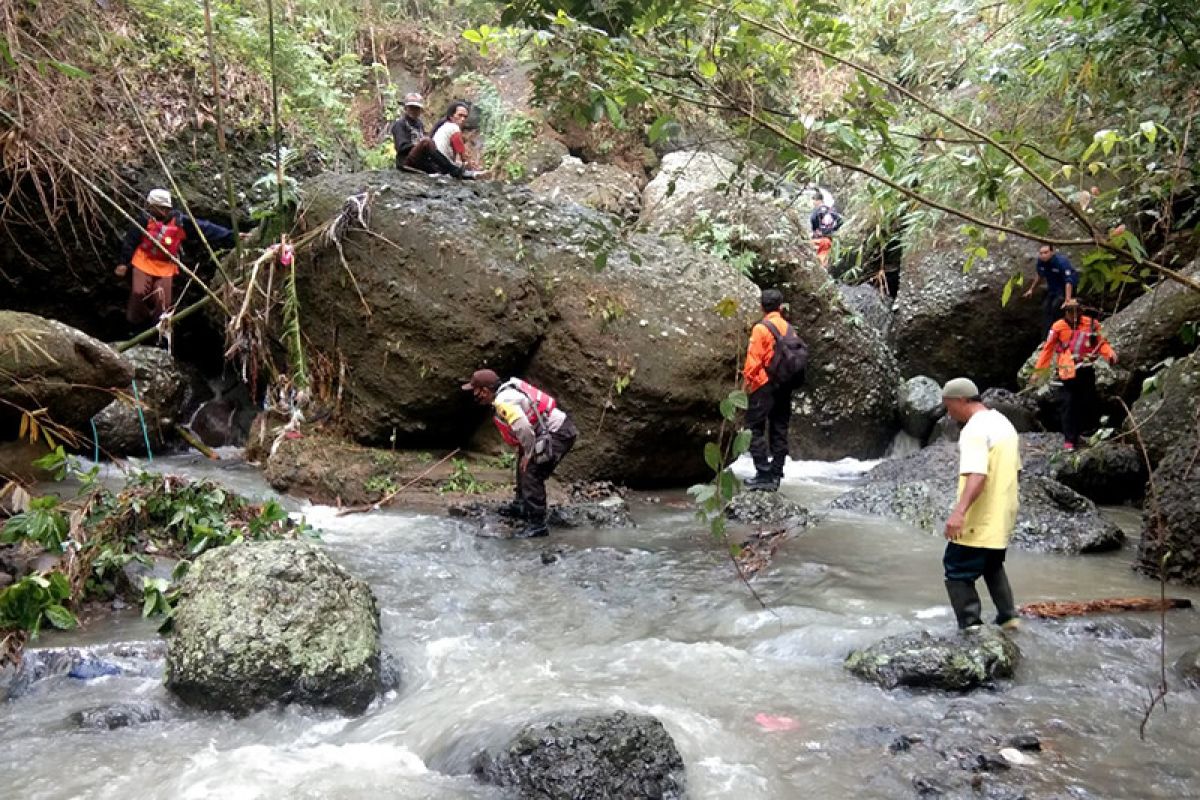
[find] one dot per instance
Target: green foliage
(506, 460)
(711, 498)
(462, 480)
(504, 131)
(43, 524)
(36, 598)
(380, 484)
(725, 241)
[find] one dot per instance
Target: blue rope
(95, 444)
(142, 419)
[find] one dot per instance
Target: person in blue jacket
(1061, 280)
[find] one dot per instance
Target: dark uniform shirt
(1057, 272)
(406, 132)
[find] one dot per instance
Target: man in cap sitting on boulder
(982, 521)
(531, 421)
(409, 130)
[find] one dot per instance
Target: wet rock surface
(921, 489)
(119, 715)
(873, 308)
(1174, 525)
(168, 392)
(603, 756)
(920, 401)
(958, 661)
(527, 268)
(766, 508)
(50, 365)
(130, 659)
(265, 622)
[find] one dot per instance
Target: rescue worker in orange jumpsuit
(149, 249)
(769, 408)
(1072, 347)
(531, 421)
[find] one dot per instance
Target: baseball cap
(481, 378)
(159, 197)
(414, 99)
(960, 388)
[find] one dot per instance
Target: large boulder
(921, 489)
(604, 187)
(458, 275)
(1150, 328)
(1021, 410)
(1171, 521)
(1166, 414)
(847, 406)
(168, 392)
(713, 199)
(954, 662)
(604, 756)
(951, 322)
(871, 307)
(45, 364)
(1109, 473)
(920, 400)
(265, 622)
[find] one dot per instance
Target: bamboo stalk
(194, 440)
(383, 501)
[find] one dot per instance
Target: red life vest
(148, 257)
(537, 410)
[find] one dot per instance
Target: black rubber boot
(514, 509)
(762, 482)
(965, 602)
(1001, 592)
(535, 525)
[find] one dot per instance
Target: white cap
(159, 197)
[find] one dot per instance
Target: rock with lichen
(959, 661)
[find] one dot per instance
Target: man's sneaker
(474, 174)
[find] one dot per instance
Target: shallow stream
(651, 620)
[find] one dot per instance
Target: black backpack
(790, 359)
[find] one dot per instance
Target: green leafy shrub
(43, 523)
(28, 602)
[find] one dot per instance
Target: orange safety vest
(1084, 342)
(537, 412)
(159, 236)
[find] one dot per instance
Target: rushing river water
(651, 620)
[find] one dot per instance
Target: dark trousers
(1077, 404)
(149, 297)
(427, 158)
(1051, 311)
(531, 481)
(767, 417)
(967, 564)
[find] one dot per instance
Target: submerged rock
(766, 508)
(1188, 668)
(920, 406)
(130, 659)
(119, 715)
(959, 661)
(921, 489)
(604, 756)
(264, 622)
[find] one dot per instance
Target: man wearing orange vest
(770, 394)
(1072, 347)
(151, 249)
(531, 421)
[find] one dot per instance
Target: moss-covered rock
(259, 623)
(955, 662)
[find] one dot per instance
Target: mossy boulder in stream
(955, 662)
(264, 622)
(1171, 523)
(604, 756)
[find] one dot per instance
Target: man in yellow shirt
(983, 518)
